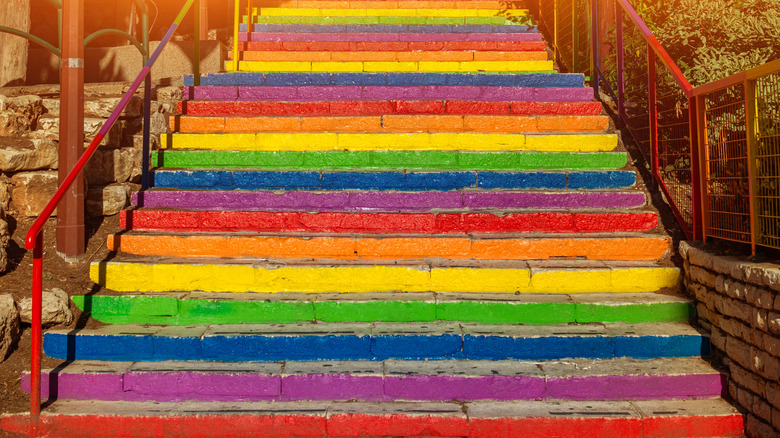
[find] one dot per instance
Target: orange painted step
(390, 124)
(440, 56)
(392, 248)
(393, 46)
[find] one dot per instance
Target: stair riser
(391, 160)
(373, 93)
(392, 124)
(393, 66)
(167, 387)
(374, 347)
(378, 107)
(380, 21)
(387, 28)
(410, 223)
(420, 11)
(306, 142)
(322, 424)
(387, 201)
(395, 181)
(334, 56)
(393, 46)
(342, 279)
(636, 249)
(147, 309)
(536, 80)
(377, 4)
(318, 35)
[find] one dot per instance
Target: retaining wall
(738, 303)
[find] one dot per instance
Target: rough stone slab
(10, 326)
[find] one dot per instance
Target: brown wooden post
(70, 229)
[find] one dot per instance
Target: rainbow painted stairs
(396, 220)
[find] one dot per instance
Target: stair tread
(714, 407)
(572, 368)
(435, 329)
(595, 298)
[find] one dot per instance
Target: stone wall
(738, 302)
(29, 128)
(13, 49)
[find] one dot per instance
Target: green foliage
(712, 39)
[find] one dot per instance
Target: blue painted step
(539, 80)
(400, 181)
(378, 341)
(391, 28)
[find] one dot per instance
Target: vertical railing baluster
(196, 40)
(704, 158)
(236, 26)
(751, 152)
(621, 79)
(146, 148)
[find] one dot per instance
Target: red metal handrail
(34, 240)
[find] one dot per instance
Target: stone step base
(389, 247)
(376, 341)
(614, 379)
(192, 308)
(263, 275)
(386, 223)
(689, 418)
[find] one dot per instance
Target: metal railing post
(652, 109)
(621, 79)
(704, 172)
(35, 331)
(236, 26)
(146, 149)
(751, 152)
(196, 41)
(575, 38)
(696, 181)
(594, 47)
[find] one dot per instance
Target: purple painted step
(385, 201)
(361, 381)
(385, 37)
(428, 92)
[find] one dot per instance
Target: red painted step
(443, 223)
(703, 418)
(385, 107)
(394, 46)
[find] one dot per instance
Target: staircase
(396, 220)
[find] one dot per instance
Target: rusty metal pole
(70, 229)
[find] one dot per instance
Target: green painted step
(209, 308)
(422, 160)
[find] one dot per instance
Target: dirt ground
(72, 278)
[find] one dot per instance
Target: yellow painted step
(390, 66)
(367, 142)
(388, 12)
(163, 277)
